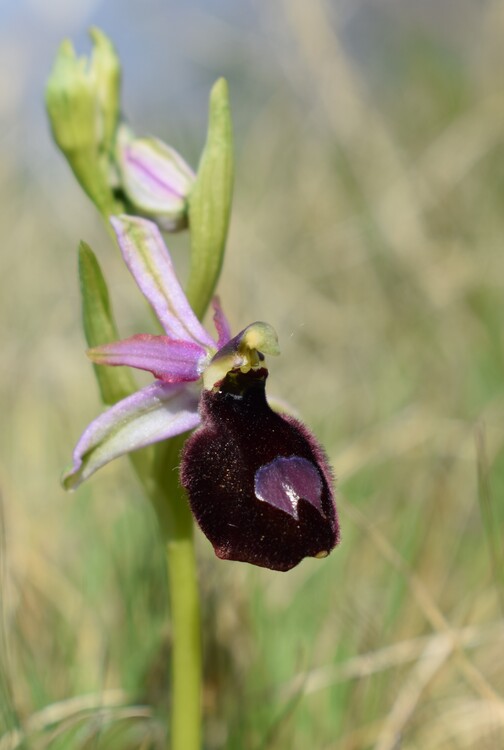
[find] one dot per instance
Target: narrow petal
(149, 261)
(169, 360)
(221, 323)
(154, 413)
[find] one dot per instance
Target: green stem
(177, 526)
(186, 656)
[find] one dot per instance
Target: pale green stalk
(186, 656)
(177, 527)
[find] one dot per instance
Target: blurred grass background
(368, 229)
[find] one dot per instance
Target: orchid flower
(258, 482)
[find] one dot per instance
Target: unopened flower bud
(82, 99)
(105, 71)
(155, 179)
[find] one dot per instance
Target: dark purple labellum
(258, 482)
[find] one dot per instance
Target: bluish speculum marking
(285, 481)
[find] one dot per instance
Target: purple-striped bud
(155, 179)
(258, 482)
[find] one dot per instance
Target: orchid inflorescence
(258, 482)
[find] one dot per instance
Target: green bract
(210, 201)
(100, 327)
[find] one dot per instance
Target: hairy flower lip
(259, 483)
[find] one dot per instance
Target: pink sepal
(168, 360)
(150, 263)
(150, 415)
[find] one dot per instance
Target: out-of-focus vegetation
(368, 229)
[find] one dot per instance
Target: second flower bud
(155, 179)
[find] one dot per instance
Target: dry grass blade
(395, 655)
(7, 709)
(71, 708)
(410, 693)
(431, 611)
(354, 119)
(492, 530)
(469, 724)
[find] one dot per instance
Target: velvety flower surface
(258, 482)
